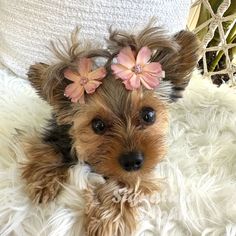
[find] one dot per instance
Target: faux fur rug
(199, 172)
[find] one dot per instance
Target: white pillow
(27, 26)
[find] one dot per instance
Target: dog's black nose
(131, 161)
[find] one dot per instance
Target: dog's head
(119, 130)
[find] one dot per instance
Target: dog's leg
(49, 158)
(108, 211)
(113, 208)
(44, 172)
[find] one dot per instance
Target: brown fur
(112, 208)
(120, 109)
(44, 172)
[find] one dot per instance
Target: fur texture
(198, 197)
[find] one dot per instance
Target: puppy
(113, 118)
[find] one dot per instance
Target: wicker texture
(213, 23)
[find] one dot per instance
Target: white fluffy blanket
(199, 170)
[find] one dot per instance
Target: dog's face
(121, 133)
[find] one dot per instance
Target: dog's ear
(177, 54)
(179, 64)
(49, 82)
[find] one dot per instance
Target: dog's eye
(148, 115)
(98, 126)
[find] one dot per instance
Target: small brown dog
(119, 129)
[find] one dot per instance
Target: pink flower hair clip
(138, 70)
(84, 80)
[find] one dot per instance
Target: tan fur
(113, 208)
(126, 132)
(44, 171)
(120, 109)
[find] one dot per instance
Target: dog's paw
(44, 190)
(109, 214)
(43, 183)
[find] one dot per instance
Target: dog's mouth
(93, 171)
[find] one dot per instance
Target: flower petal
(97, 74)
(121, 71)
(126, 58)
(77, 93)
(127, 85)
(80, 99)
(143, 56)
(146, 85)
(70, 89)
(71, 75)
(135, 81)
(85, 66)
(153, 67)
(149, 81)
(117, 68)
(91, 86)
